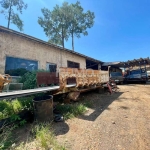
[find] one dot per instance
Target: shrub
(6, 109)
(9, 108)
(17, 72)
(29, 79)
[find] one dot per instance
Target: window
(51, 67)
(114, 74)
(135, 72)
(18, 66)
(72, 64)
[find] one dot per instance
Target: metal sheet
(84, 77)
(29, 92)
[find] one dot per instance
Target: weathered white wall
(21, 47)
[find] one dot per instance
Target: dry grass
(41, 137)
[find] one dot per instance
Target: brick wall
(21, 47)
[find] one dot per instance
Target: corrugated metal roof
(3, 29)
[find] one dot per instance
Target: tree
(54, 25)
(65, 21)
(55, 41)
(9, 13)
(79, 21)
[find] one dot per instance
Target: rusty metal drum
(43, 108)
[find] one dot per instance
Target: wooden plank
(47, 78)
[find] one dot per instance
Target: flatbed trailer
(67, 80)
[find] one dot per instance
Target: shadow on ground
(60, 128)
(100, 102)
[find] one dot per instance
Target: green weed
(9, 108)
(41, 134)
(45, 137)
(6, 138)
(71, 110)
(88, 104)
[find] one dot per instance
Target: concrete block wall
(21, 47)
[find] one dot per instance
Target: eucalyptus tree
(66, 21)
(54, 24)
(79, 21)
(8, 10)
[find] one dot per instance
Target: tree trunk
(72, 41)
(62, 44)
(9, 15)
(62, 37)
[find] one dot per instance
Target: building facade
(18, 50)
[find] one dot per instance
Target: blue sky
(121, 30)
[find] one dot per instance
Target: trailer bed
(20, 93)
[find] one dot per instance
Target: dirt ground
(116, 122)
